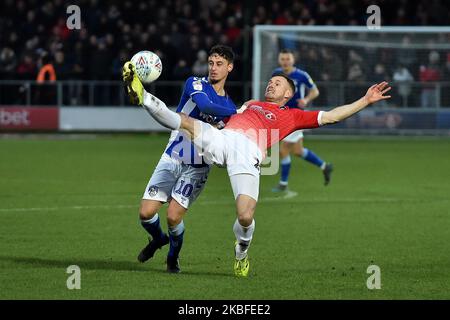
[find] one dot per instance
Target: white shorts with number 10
(175, 180)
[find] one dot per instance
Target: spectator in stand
(45, 94)
(26, 70)
(100, 69)
(26, 26)
(8, 63)
(357, 77)
(61, 68)
(76, 59)
(200, 67)
(405, 56)
(403, 77)
(232, 31)
(379, 72)
(181, 70)
(428, 75)
(333, 72)
(356, 73)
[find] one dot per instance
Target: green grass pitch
(75, 202)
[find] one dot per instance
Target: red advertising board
(28, 119)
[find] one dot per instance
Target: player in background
(181, 173)
(242, 144)
(293, 143)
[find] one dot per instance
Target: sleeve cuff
(319, 118)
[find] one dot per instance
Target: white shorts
(237, 152)
(294, 137)
(246, 184)
(175, 180)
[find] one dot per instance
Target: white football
(148, 66)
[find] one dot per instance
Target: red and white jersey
(267, 123)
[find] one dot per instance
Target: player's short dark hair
(224, 51)
(287, 51)
(289, 80)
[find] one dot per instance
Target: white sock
(159, 111)
(244, 236)
(177, 230)
(151, 220)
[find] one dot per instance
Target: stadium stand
(112, 31)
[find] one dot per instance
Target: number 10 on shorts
(185, 189)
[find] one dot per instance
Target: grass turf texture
(75, 202)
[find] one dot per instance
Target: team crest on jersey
(270, 116)
(152, 191)
(197, 85)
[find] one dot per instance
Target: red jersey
(267, 123)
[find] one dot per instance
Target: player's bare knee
(175, 213)
(284, 153)
(284, 150)
(173, 218)
(245, 207)
(245, 217)
(148, 209)
(145, 214)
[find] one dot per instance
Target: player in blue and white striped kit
(181, 173)
(293, 143)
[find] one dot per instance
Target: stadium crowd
(179, 31)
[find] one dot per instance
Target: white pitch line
(68, 208)
(287, 196)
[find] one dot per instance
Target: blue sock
(153, 227)
(176, 239)
(310, 156)
(285, 168)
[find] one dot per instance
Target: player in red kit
(242, 144)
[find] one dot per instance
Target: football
(148, 66)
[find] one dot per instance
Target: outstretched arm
(374, 94)
(207, 106)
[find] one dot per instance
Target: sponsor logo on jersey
(266, 113)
